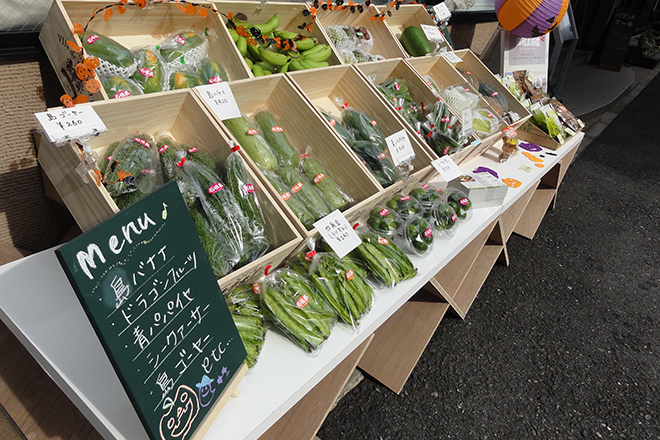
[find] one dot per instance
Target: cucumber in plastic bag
(324, 184)
(293, 201)
(301, 187)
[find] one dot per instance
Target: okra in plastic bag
(246, 310)
(387, 264)
(340, 284)
(333, 194)
(297, 308)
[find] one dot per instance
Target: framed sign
(146, 285)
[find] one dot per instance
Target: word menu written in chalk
(147, 287)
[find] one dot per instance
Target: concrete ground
(564, 343)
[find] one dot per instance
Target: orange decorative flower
(66, 101)
(181, 7)
(93, 85)
(78, 29)
(107, 15)
(80, 99)
(202, 12)
(190, 9)
(92, 63)
(82, 72)
(73, 46)
(121, 9)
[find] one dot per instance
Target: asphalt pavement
(565, 342)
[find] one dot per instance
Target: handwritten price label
(66, 124)
(433, 33)
(447, 168)
(441, 12)
(221, 100)
(466, 119)
(400, 147)
(337, 232)
(452, 57)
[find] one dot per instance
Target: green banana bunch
(318, 53)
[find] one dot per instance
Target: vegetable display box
(185, 118)
(131, 27)
(378, 72)
(472, 66)
(409, 15)
(358, 35)
(279, 126)
(331, 89)
(291, 17)
(445, 76)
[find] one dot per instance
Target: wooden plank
(11, 253)
(474, 279)
(306, 417)
(451, 276)
(406, 333)
(538, 205)
(510, 217)
(566, 162)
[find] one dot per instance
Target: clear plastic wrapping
(246, 310)
(443, 218)
(297, 308)
(340, 283)
(460, 202)
(460, 97)
(384, 221)
(405, 205)
(384, 260)
(416, 237)
(118, 86)
(150, 73)
(185, 47)
(325, 185)
(292, 200)
(131, 165)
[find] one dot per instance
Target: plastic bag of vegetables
(386, 263)
(185, 47)
(297, 308)
(341, 284)
(333, 194)
(246, 310)
(130, 166)
(150, 73)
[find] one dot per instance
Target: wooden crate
(529, 132)
(408, 15)
(471, 63)
(385, 44)
(445, 75)
(305, 127)
(291, 16)
(181, 113)
(136, 27)
(347, 84)
(379, 71)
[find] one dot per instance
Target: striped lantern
(530, 18)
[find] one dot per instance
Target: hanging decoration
(530, 18)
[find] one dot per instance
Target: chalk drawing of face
(205, 391)
(176, 423)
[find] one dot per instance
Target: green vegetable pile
(405, 206)
(384, 220)
(246, 310)
(418, 235)
(459, 202)
(297, 308)
(384, 260)
(444, 218)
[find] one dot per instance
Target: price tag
(452, 57)
(447, 168)
(221, 100)
(338, 233)
(400, 147)
(466, 119)
(65, 124)
(433, 33)
(441, 12)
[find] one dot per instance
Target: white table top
(40, 307)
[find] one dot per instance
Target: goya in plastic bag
(129, 159)
(297, 308)
(221, 252)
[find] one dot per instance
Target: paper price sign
(441, 12)
(432, 33)
(400, 147)
(66, 124)
(221, 100)
(452, 57)
(447, 168)
(466, 119)
(338, 233)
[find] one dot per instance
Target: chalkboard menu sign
(147, 287)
